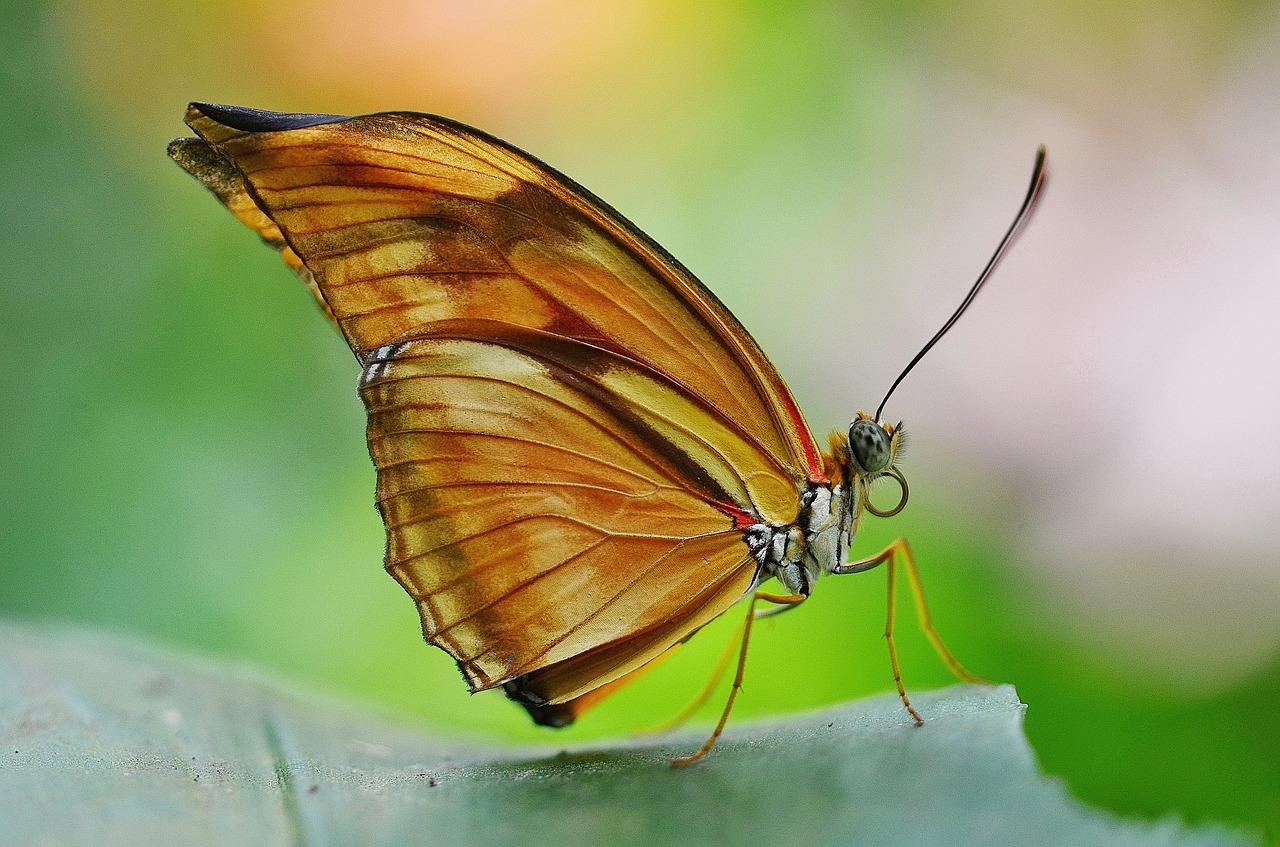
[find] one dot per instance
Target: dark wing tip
(257, 120)
(198, 158)
(180, 149)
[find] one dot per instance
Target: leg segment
(784, 600)
(900, 550)
(707, 690)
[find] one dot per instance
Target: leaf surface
(108, 741)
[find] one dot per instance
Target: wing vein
(520, 483)
(593, 614)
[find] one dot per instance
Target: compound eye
(869, 444)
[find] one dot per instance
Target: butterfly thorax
(830, 513)
(798, 553)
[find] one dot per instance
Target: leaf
(110, 742)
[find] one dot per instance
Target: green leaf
(111, 742)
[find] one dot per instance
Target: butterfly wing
(570, 431)
(539, 505)
(221, 177)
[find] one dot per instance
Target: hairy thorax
(798, 553)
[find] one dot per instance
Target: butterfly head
(874, 448)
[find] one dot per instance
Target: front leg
(901, 550)
(783, 601)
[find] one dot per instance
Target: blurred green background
(1094, 473)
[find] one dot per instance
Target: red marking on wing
(742, 519)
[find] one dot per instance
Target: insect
(582, 456)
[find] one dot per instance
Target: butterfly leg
(693, 705)
(897, 551)
(784, 600)
(722, 664)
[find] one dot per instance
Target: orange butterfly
(582, 456)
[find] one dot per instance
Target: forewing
(222, 178)
(406, 219)
(551, 504)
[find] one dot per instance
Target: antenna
(1033, 192)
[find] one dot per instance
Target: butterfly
(582, 456)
